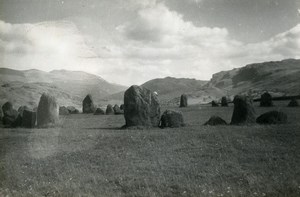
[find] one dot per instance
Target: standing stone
(109, 110)
(141, 107)
(99, 111)
(10, 115)
(243, 112)
(266, 100)
(117, 110)
(214, 104)
(47, 112)
(272, 117)
(224, 102)
(293, 103)
(171, 118)
(21, 109)
(183, 100)
(63, 111)
(29, 119)
(72, 110)
(215, 120)
(88, 105)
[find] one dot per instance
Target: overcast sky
(133, 41)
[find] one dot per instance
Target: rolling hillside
(25, 87)
(70, 87)
(277, 77)
(167, 88)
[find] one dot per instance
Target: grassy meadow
(89, 155)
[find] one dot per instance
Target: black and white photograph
(149, 98)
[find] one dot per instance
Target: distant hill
(25, 87)
(70, 87)
(167, 88)
(277, 77)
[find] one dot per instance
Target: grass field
(89, 156)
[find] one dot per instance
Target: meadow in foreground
(90, 156)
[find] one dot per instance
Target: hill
(167, 88)
(70, 87)
(277, 77)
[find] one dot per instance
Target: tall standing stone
(47, 111)
(141, 107)
(224, 102)
(109, 110)
(266, 100)
(88, 105)
(243, 112)
(29, 119)
(183, 101)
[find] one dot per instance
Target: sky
(132, 41)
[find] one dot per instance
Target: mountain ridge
(278, 77)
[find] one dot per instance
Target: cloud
(47, 45)
(157, 43)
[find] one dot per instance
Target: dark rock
(88, 105)
(48, 111)
(6, 108)
(214, 104)
(18, 121)
(63, 111)
(28, 119)
(171, 118)
(183, 101)
(122, 107)
(243, 112)
(10, 115)
(224, 102)
(99, 111)
(109, 110)
(117, 110)
(266, 100)
(272, 117)
(141, 107)
(215, 120)
(72, 110)
(293, 103)
(21, 109)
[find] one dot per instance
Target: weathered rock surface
(99, 111)
(171, 118)
(109, 110)
(272, 117)
(141, 107)
(183, 101)
(243, 112)
(48, 111)
(88, 105)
